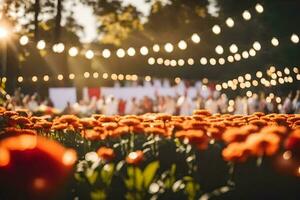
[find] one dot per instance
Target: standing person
(33, 104)
(184, 104)
(212, 105)
(296, 103)
(287, 106)
(253, 104)
(222, 103)
(132, 107)
(170, 106)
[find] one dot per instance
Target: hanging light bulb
(229, 22)
(222, 61)
(219, 49)
(256, 45)
(245, 54)
(275, 42)
(233, 48)
(190, 61)
(259, 8)
(246, 15)
(120, 53)
(196, 38)
(203, 61)
(151, 61)
(230, 59)
(252, 52)
(212, 61)
(73, 51)
(144, 50)
(156, 48)
(41, 44)
(60, 47)
(182, 45)
(180, 62)
(131, 51)
(106, 53)
(89, 54)
(169, 47)
(216, 29)
(24, 40)
(295, 38)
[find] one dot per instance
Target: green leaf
(149, 173)
(129, 183)
(98, 195)
(138, 176)
(92, 177)
(107, 173)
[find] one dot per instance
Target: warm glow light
(173, 63)
(233, 48)
(120, 53)
(219, 49)
(295, 38)
(60, 77)
(275, 42)
(71, 76)
(114, 77)
(20, 79)
(69, 157)
(212, 61)
(195, 38)
(95, 75)
(106, 53)
(190, 61)
(59, 48)
(252, 52)
(156, 48)
(86, 74)
(167, 62)
(259, 8)
(34, 79)
(151, 61)
(216, 29)
(222, 61)
(169, 47)
(203, 61)
(89, 54)
(41, 44)
(5, 157)
(230, 59)
(246, 15)
(144, 51)
(46, 78)
(180, 62)
(177, 80)
(287, 155)
(105, 75)
(160, 61)
(73, 51)
(182, 45)
(148, 78)
(218, 87)
(24, 40)
(229, 22)
(256, 46)
(3, 32)
(121, 77)
(237, 57)
(249, 93)
(245, 54)
(131, 51)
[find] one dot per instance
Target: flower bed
(153, 156)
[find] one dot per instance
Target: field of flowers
(153, 156)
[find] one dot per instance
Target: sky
(84, 16)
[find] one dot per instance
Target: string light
(259, 8)
(60, 47)
(230, 59)
(180, 62)
(46, 78)
(73, 51)
(131, 51)
(203, 61)
(106, 53)
(229, 22)
(257, 46)
(252, 52)
(89, 54)
(41, 44)
(196, 38)
(169, 47)
(182, 45)
(295, 38)
(216, 29)
(34, 79)
(245, 54)
(24, 40)
(151, 61)
(222, 61)
(20, 79)
(275, 42)
(95, 75)
(60, 77)
(121, 77)
(148, 78)
(86, 75)
(219, 49)
(237, 57)
(246, 15)
(173, 63)
(120, 53)
(156, 48)
(144, 50)
(71, 76)
(190, 61)
(233, 48)
(105, 75)
(212, 61)
(160, 61)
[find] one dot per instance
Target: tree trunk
(36, 18)
(58, 21)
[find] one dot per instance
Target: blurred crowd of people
(179, 105)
